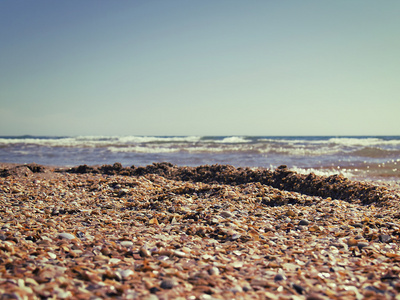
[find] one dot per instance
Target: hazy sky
(209, 67)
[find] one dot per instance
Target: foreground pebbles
(95, 236)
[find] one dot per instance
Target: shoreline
(164, 232)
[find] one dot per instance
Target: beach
(206, 232)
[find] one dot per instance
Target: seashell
(144, 252)
(124, 274)
(67, 236)
(213, 271)
(126, 244)
(226, 214)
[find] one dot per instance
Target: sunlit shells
(218, 233)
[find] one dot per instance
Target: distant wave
(354, 157)
(140, 149)
(297, 146)
(376, 152)
(234, 140)
(93, 141)
(367, 141)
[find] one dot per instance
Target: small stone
(351, 242)
(299, 289)
(123, 192)
(64, 295)
(127, 244)
(80, 234)
(168, 283)
(179, 253)
(278, 277)
(226, 214)
(236, 289)
(291, 213)
(304, 222)
(361, 245)
(153, 221)
(123, 274)
(153, 290)
(66, 236)
(235, 236)
(384, 238)
(314, 228)
(144, 252)
(213, 271)
(237, 264)
(246, 288)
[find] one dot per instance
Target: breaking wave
(351, 156)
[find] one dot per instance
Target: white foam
(93, 141)
(323, 172)
(299, 151)
(367, 141)
(233, 140)
(158, 139)
(141, 149)
(225, 148)
(43, 142)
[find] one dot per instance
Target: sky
(210, 67)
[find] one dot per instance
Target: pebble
(279, 277)
(213, 271)
(226, 214)
(351, 242)
(123, 274)
(144, 252)
(384, 238)
(291, 213)
(126, 244)
(361, 245)
(168, 283)
(235, 236)
(236, 289)
(179, 253)
(67, 236)
(304, 222)
(299, 289)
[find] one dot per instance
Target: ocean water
(356, 157)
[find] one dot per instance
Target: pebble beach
(207, 232)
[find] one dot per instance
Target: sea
(371, 158)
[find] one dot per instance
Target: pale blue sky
(217, 67)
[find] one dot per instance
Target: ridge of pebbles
(335, 186)
(168, 232)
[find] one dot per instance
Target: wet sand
(207, 232)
